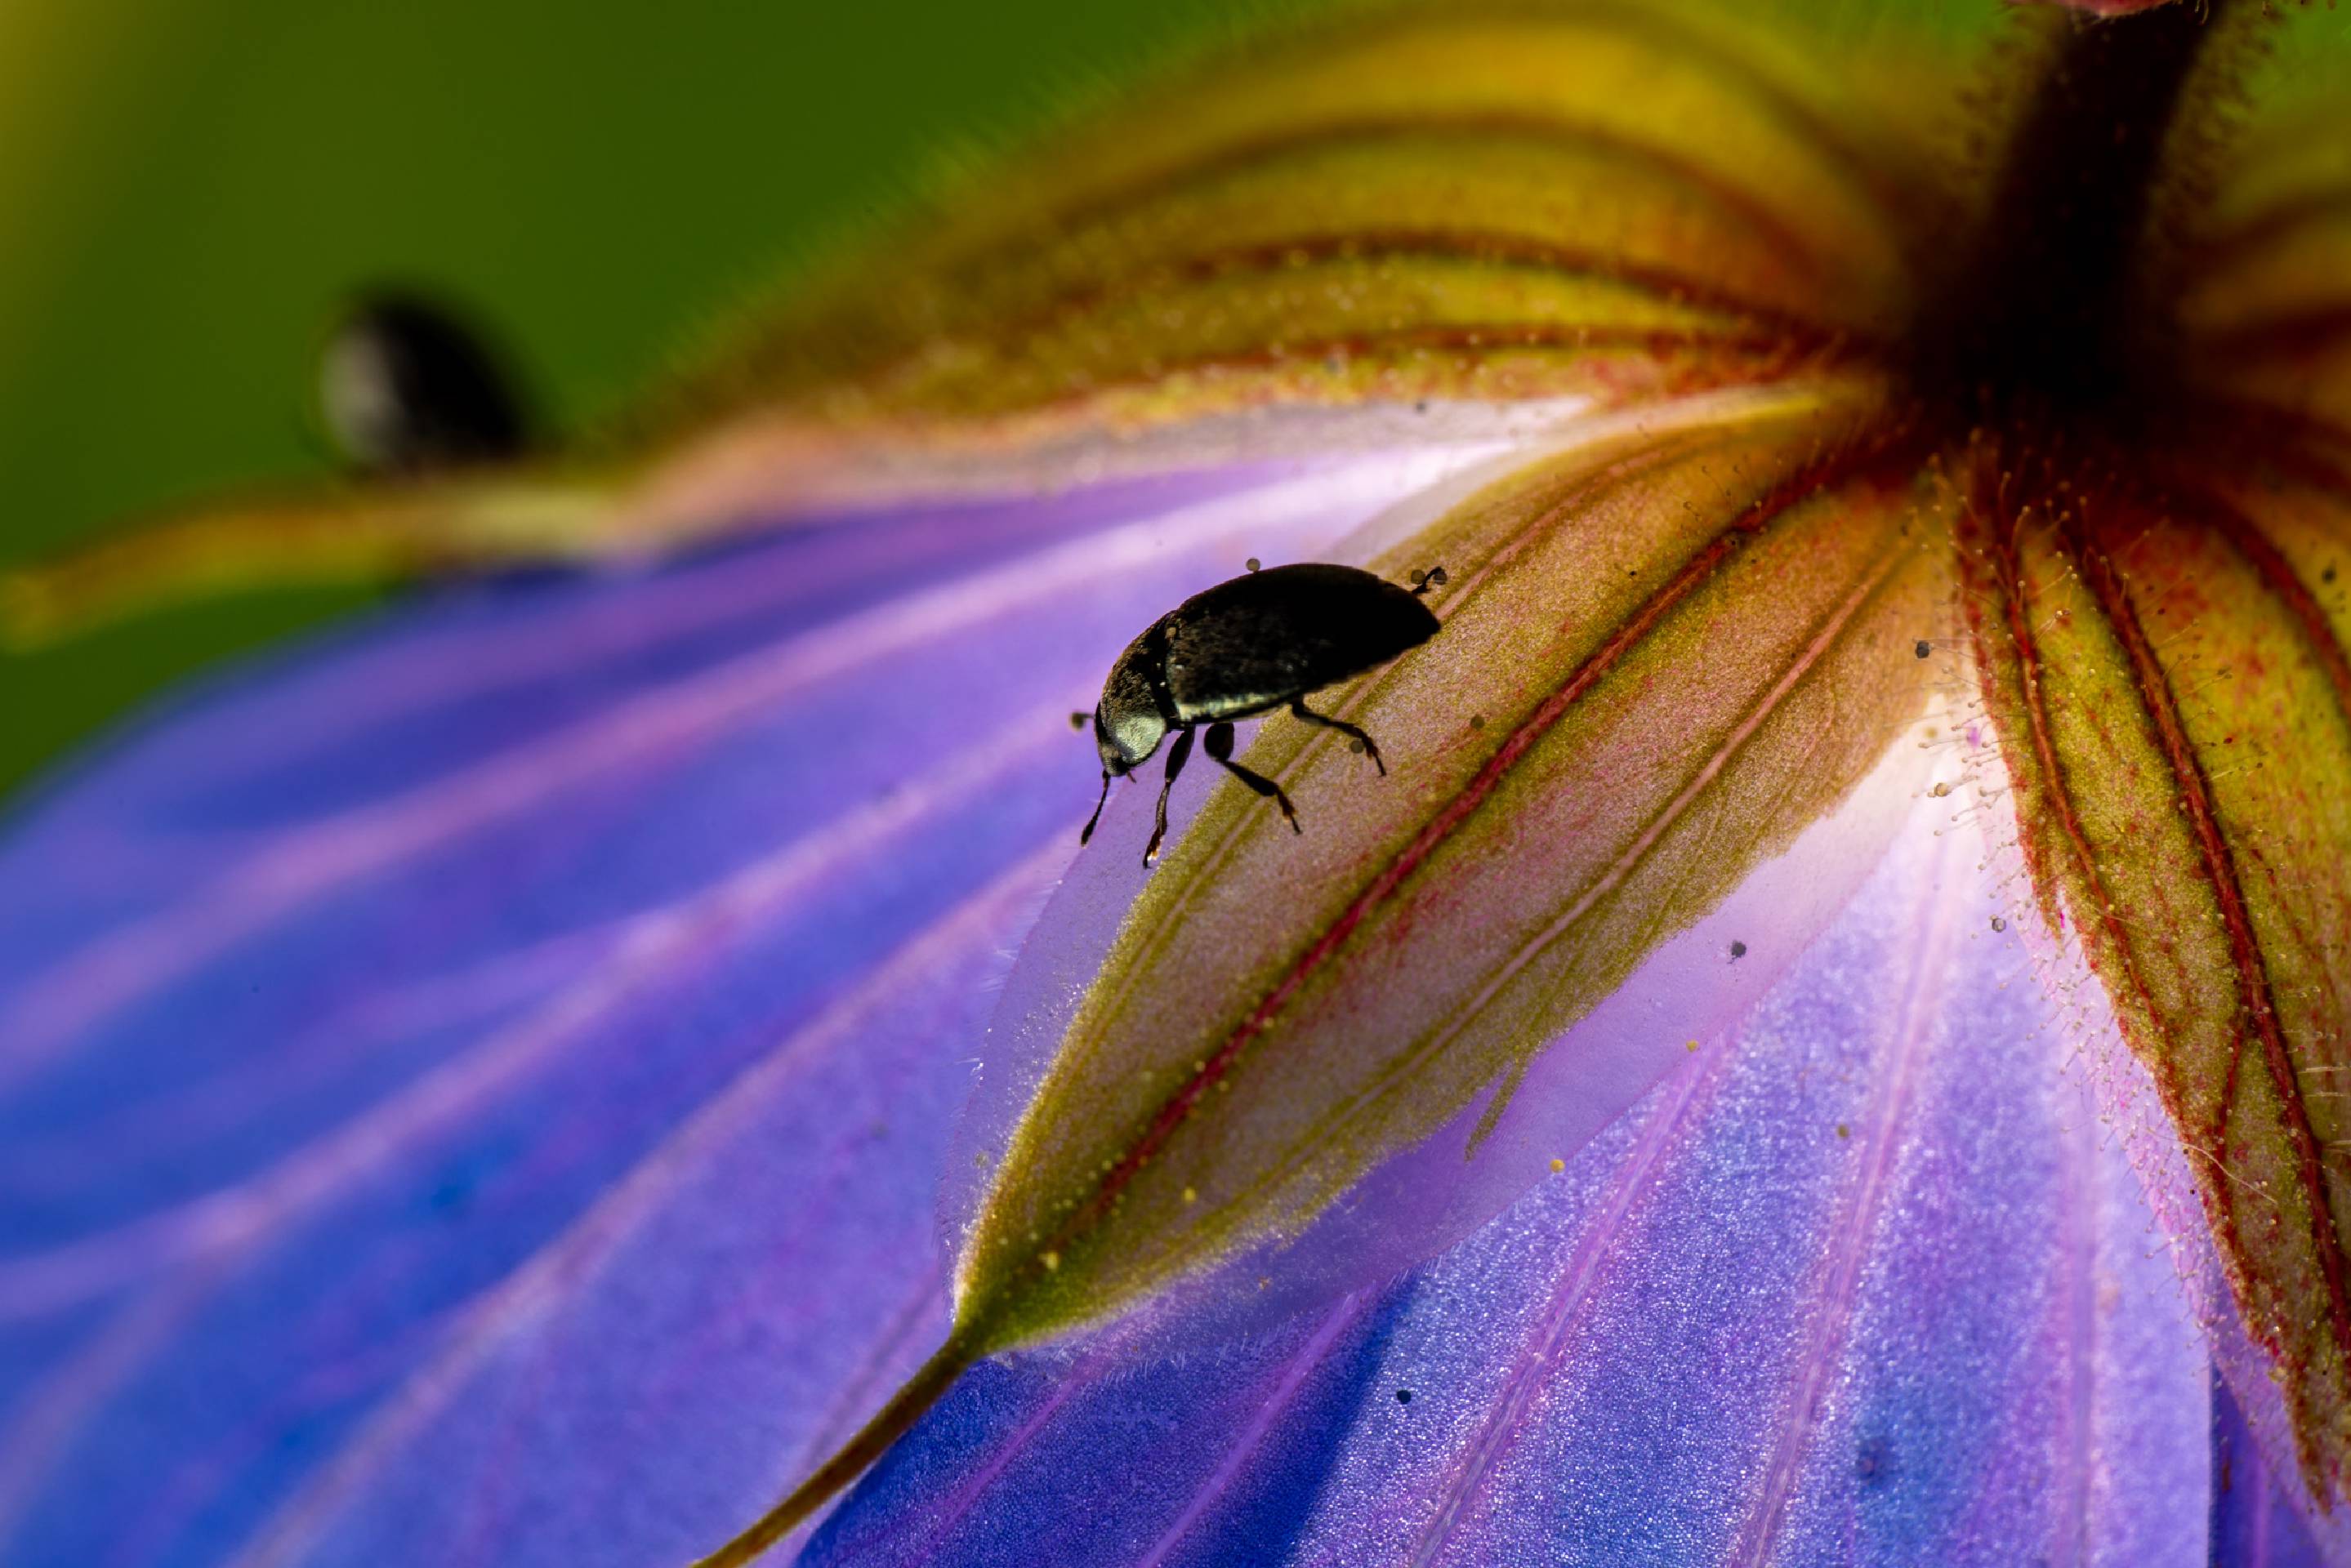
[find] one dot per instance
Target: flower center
(2051, 308)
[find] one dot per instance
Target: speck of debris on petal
(1404, 1395)
(1693, 1045)
(1843, 1131)
(1998, 924)
(1922, 648)
(1738, 951)
(1557, 1165)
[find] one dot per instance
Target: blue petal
(2255, 1521)
(472, 1090)
(1863, 1284)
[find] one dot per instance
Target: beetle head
(1126, 734)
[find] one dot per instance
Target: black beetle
(1243, 648)
(405, 387)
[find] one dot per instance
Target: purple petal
(1863, 1283)
(2263, 1512)
(473, 1091)
(2257, 1514)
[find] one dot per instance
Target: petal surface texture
(1862, 1281)
(2166, 664)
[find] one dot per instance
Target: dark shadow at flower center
(2053, 309)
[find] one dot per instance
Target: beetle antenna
(1423, 581)
(1088, 831)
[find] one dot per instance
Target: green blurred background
(188, 189)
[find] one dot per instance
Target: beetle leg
(1087, 832)
(1297, 706)
(1177, 756)
(1220, 746)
